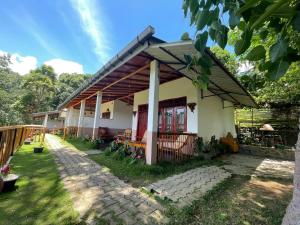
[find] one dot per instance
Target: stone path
(258, 166)
(97, 193)
(191, 185)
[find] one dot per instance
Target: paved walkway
(97, 193)
(258, 166)
(191, 185)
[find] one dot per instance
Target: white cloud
(64, 66)
(92, 22)
(21, 64)
(245, 66)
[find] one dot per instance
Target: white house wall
(120, 116)
(213, 119)
(55, 124)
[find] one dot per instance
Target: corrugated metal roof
(141, 51)
(221, 82)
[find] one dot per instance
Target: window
(106, 115)
(172, 119)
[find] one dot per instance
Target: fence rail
(12, 137)
(176, 146)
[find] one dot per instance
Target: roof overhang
(128, 73)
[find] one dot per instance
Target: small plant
(97, 142)
(5, 170)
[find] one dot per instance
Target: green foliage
(40, 90)
(248, 20)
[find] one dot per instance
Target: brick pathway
(191, 185)
(97, 193)
(258, 166)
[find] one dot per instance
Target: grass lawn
(238, 201)
(137, 174)
(40, 197)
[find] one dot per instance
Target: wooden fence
(176, 146)
(12, 137)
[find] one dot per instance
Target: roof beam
(175, 57)
(123, 78)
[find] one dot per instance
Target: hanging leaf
(296, 21)
(188, 59)
(222, 36)
(234, 19)
(278, 50)
(243, 44)
(256, 53)
(203, 19)
(212, 33)
(200, 42)
(185, 36)
(204, 61)
(185, 6)
(194, 6)
(277, 70)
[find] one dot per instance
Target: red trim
(174, 104)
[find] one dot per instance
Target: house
(52, 120)
(151, 88)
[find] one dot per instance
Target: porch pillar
(69, 117)
(97, 114)
(151, 146)
(81, 116)
(45, 121)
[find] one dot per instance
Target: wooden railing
(176, 146)
(70, 132)
(12, 137)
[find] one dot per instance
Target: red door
(142, 124)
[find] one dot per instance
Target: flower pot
(9, 182)
(38, 149)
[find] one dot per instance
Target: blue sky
(82, 34)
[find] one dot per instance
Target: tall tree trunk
(292, 216)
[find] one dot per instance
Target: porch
(150, 78)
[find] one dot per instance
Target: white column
(69, 117)
(45, 121)
(81, 116)
(97, 114)
(151, 146)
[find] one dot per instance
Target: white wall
(120, 116)
(175, 89)
(213, 119)
(54, 124)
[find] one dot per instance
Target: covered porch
(152, 78)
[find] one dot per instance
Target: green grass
(79, 143)
(138, 174)
(40, 197)
(239, 200)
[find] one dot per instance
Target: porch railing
(176, 146)
(12, 137)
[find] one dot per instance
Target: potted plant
(7, 179)
(38, 149)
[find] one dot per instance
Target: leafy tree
(10, 83)
(276, 22)
(38, 93)
(66, 85)
(227, 58)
